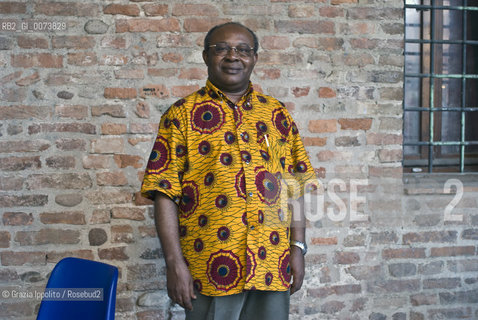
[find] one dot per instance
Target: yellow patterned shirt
(230, 168)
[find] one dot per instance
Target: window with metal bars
(440, 103)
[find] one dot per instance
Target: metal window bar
(464, 76)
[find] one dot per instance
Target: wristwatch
(301, 245)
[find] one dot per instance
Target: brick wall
(79, 109)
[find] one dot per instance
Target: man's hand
(180, 285)
(297, 265)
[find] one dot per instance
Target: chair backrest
(65, 299)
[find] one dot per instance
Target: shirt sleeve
(168, 159)
(300, 175)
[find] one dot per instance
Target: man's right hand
(180, 285)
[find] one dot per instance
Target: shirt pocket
(273, 150)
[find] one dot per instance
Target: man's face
(230, 73)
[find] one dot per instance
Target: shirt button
(250, 194)
(252, 227)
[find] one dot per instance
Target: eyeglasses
(222, 49)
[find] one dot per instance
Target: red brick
(129, 74)
(280, 58)
(421, 299)
(71, 144)
(305, 26)
(331, 12)
(21, 258)
(147, 231)
(201, 24)
(155, 9)
(61, 162)
(83, 59)
(323, 126)
(116, 253)
(275, 42)
(128, 213)
(300, 92)
(126, 160)
(138, 199)
(74, 181)
(56, 256)
(301, 11)
(111, 179)
(441, 283)
(403, 253)
(393, 286)
(100, 216)
(107, 145)
(11, 7)
(384, 138)
(453, 251)
(182, 91)
(153, 90)
(386, 155)
(73, 42)
(315, 141)
(385, 172)
(32, 42)
(113, 60)
(17, 219)
(47, 236)
(193, 74)
(28, 80)
(71, 111)
(337, 2)
(324, 241)
(172, 57)
(143, 128)
(123, 9)
(429, 236)
(346, 257)
(96, 162)
(4, 239)
(122, 234)
(120, 93)
(67, 9)
(164, 73)
(20, 163)
(113, 128)
(355, 124)
(41, 60)
(196, 10)
(270, 74)
(363, 43)
(86, 128)
(335, 290)
(11, 183)
(9, 201)
(148, 25)
(326, 92)
(113, 110)
(114, 42)
(64, 217)
(142, 110)
(363, 272)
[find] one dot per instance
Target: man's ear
(204, 57)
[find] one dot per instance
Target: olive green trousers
(248, 305)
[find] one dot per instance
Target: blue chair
(76, 274)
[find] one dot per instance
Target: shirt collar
(215, 93)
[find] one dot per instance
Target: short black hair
(207, 39)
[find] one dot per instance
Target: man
(224, 159)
